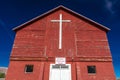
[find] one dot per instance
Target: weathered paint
(83, 43)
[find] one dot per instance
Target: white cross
(60, 29)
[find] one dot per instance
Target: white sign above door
(60, 60)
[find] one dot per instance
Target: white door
(60, 72)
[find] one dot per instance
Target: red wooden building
(61, 45)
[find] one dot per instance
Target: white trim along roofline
(61, 6)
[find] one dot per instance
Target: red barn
(61, 45)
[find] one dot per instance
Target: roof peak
(56, 8)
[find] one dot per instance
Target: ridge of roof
(63, 7)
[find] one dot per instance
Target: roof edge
(52, 10)
(36, 18)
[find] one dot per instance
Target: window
(91, 69)
(60, 67)
(29, 68)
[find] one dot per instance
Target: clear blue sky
(16, 12)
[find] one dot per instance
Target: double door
(60, 72)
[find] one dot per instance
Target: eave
(66, 9)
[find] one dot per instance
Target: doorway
(60, 72)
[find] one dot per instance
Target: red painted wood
(80, 38)
(103, 71)
(16, 70)
(41, 39)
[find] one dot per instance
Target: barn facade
(61, 45)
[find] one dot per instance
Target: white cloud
(109, 5)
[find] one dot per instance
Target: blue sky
(16, 12)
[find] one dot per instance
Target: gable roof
(66, 9)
